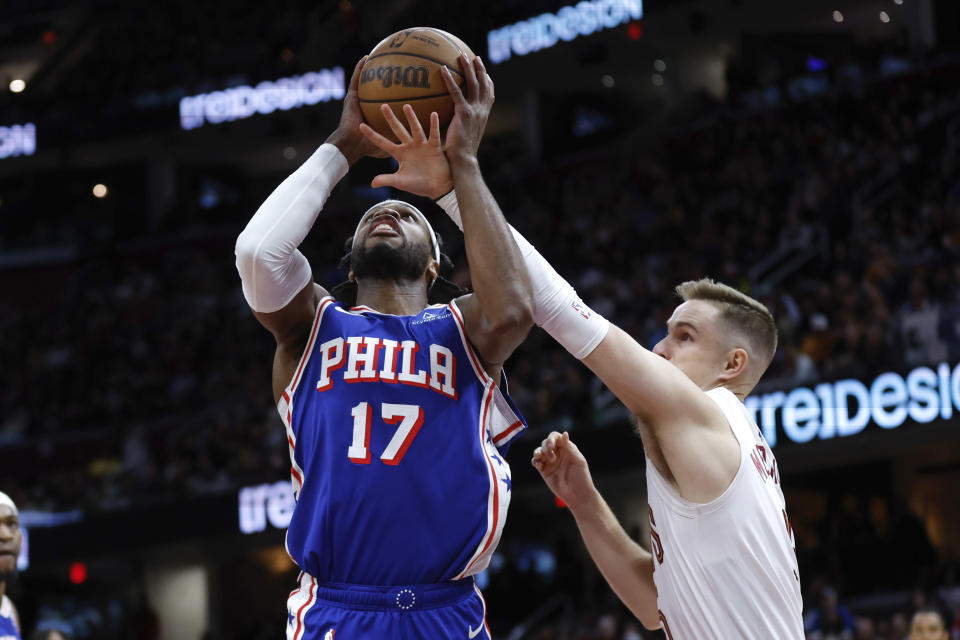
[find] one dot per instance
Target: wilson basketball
(405, 69)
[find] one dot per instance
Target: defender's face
(693, 343)
(395, 224)
(10, 539)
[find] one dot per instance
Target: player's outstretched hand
(470, 111)
(347, 137)
(563, 468)
(424, 169)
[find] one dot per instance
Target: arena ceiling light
(544, 31)
(237, 103)
(17, 85)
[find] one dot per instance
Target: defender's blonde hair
(740, 312)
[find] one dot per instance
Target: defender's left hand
(424, 169)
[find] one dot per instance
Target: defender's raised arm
(499, 313)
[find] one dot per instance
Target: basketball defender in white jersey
(723, 563)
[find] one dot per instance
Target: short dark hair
(741, 312)
(441, 291)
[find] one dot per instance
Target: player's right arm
(277, 279)
(626, 566)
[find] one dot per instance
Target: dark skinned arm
(499, 313)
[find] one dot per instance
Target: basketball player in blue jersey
(395, 417)
(10, 539)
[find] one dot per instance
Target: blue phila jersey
(396, 438)
(8, 629)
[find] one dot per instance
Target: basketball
(404, 68)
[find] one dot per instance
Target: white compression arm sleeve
(271, 268)
(558, 309)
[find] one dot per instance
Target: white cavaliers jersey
(727, 569)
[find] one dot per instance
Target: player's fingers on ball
(490, 92)
(483, 79)
(452, 87)
(380, 141)
(479, 74)
(470, 76)
(416, 129)
(394, 123)
(355, 78)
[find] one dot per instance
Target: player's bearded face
(384, 262)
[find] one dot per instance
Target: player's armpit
(494, 336)
(292, 321)
(689, 428)
(290, 327)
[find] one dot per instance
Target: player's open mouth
(384, 226)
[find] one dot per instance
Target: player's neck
(3, 588)
(404, 298)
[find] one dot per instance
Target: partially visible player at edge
(724, 562)
(395, 416)
(10, 539)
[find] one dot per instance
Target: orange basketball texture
(405, 69)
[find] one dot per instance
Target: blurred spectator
(830, 621)
(50, 634)
(865, 629)
(927, 624)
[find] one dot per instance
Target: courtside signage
(545, 30)
(266, 503)
(242, 102)
(18, 140)
(846, 407)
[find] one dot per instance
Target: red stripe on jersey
(479, 370)
(297, 477)
(509, 431)
(495, 479)
(297, 590)
(296, 634)
(309, 347)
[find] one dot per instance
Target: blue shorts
(328, 611)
